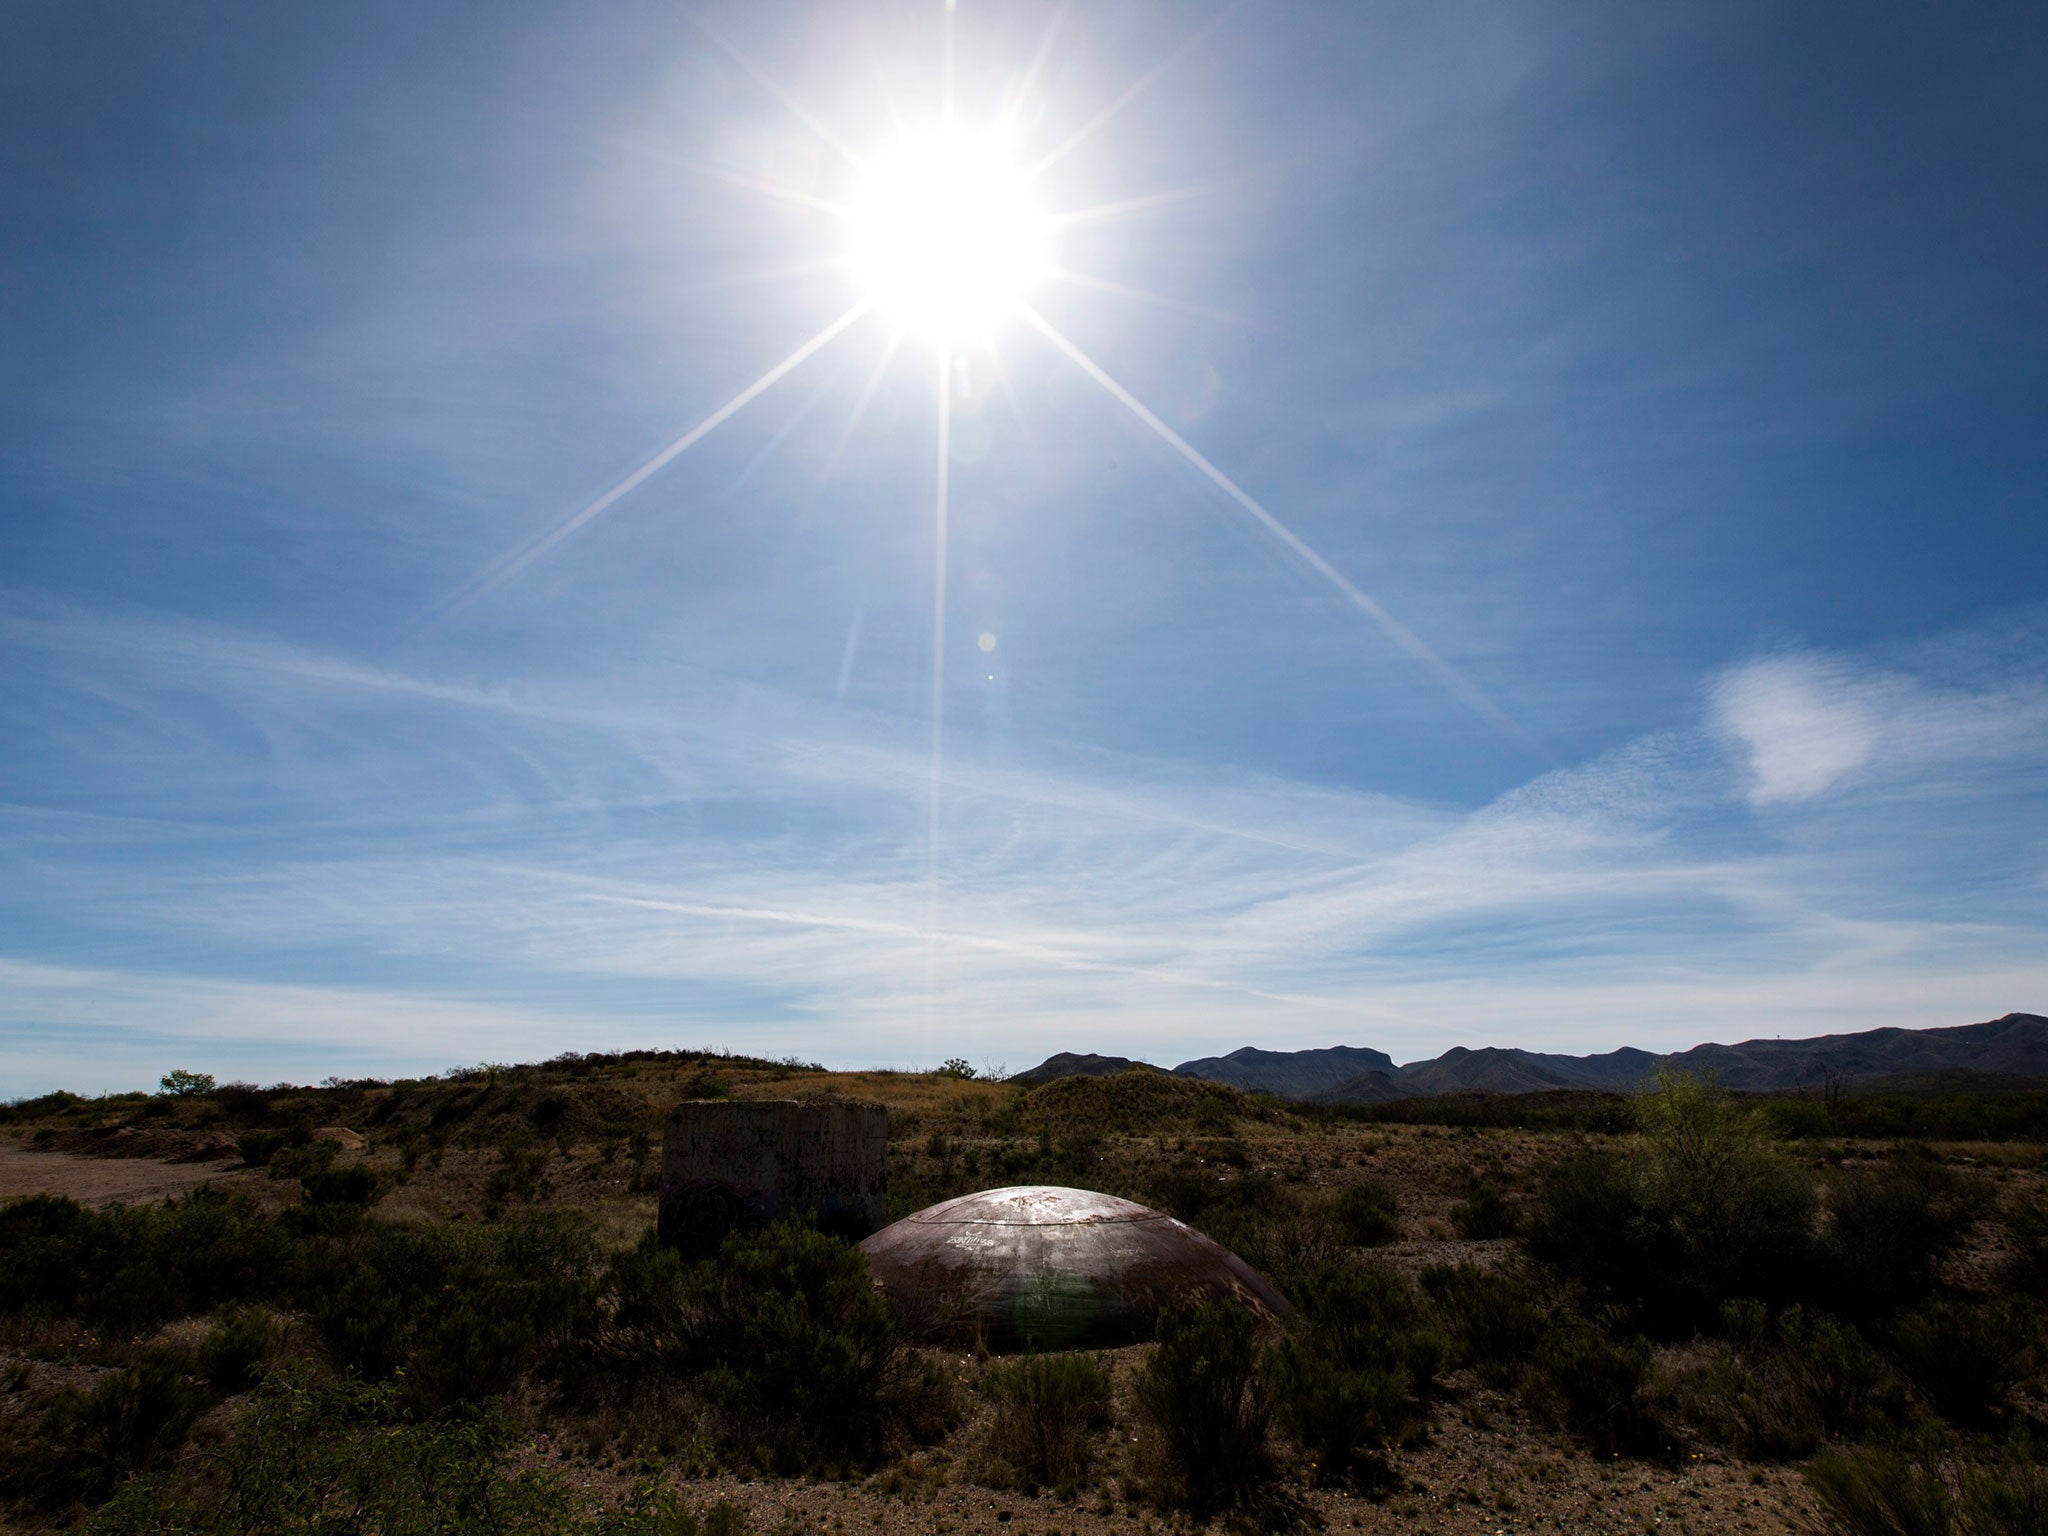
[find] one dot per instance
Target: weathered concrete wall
(728, 1165)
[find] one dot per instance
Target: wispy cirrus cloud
(543, 867)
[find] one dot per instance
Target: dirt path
(103, 1180)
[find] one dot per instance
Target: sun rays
(949, 230)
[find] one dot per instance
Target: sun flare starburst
(948, 239)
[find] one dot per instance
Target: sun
(947, 238)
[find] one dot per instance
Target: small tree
(956, 1066)
(181, 1084)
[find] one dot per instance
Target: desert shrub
(655, 1509)
(1797, 1119)
(464, 1311)
(336, 1199)
(1739, 1214)
(1601, 1389)
(1353, 1369)
(647, 1330)
(1369, 1213)
(1967, 1357)
(1202, 1196)
(1285, 1233)
(707, 1084)
(800, 1351)
(134, 1267)
(1049, 1412)
(354, 1185)
(2026, 1223)
(242, 1103)
(257, 1147)
(1591, 1222)
(1872, 1491)
(1708, 1212)
(315, 1453)
(1869, 1492)
(1486, 1213)
(301, 1156)
(1891, 1229)
(521, 1174)
(1493, 1318)
(1206, 1390)
(78, 1444)
(234, 1352)
(1787, 1385)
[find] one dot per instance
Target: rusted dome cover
(1053, 1268)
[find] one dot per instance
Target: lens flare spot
(987, 642)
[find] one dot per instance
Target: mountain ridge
(2013, 1046)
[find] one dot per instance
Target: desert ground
(1494, 1452)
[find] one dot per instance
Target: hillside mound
(1074, 1064)
(1140, 1100)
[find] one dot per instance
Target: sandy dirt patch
(104, 1180)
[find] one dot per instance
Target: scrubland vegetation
(463, 1324)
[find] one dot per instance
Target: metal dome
(1051, 1268)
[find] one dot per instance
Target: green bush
(652, 1509)
(1967, 1357)
(1207, 1390)
(1787, 1385)
(233, 1356)
(258, 1147)
(2026, 1223)
(354, 1185)
(647, 1331)
(77, 1445)
(463, 1310)
(129, 1268)
(801, 1352)
(1494, 1318)
(316, 1454)
(1707, 1212)
(1284, 1233)
(1891, 1229)
(1486, 1213)
(1591, 1221)
(1049, 1412)
(1135, 1101)
(1600, 1388)
(1867, 1491)
(1369, 1213)
(1353, 1369)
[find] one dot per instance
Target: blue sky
(1674, 374)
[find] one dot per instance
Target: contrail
(1395, 630)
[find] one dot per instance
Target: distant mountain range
(2015, 1046)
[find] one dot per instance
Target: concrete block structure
(728, 1165)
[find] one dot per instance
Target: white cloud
(1809, 724)
(1806, 724)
